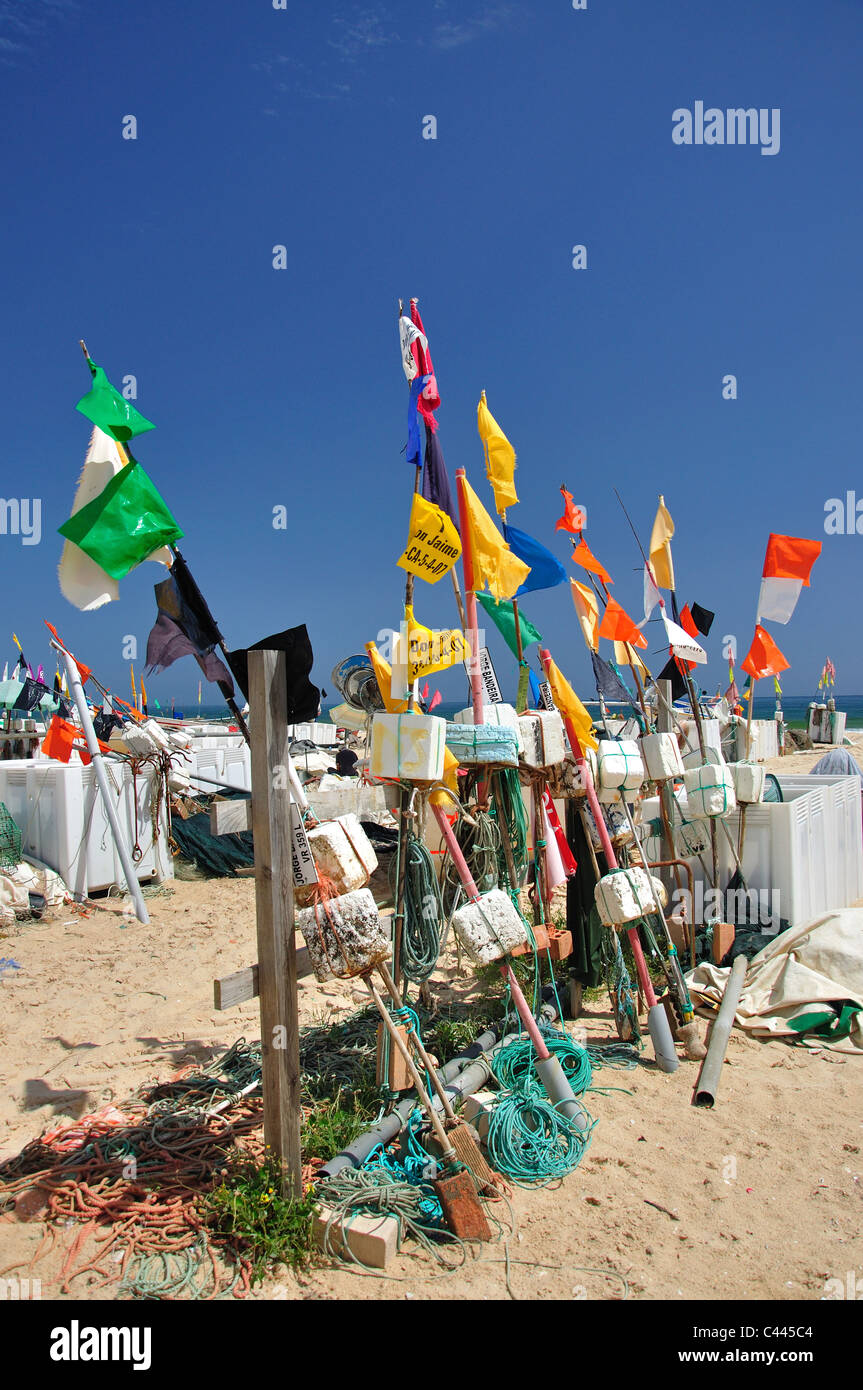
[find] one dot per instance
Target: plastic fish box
(345, 936)
(624, 895)
(489, 928)
(342, 853)
(408, 746)
(709, 791)
(542, 738)
(483, 744)
(59, 810)
(661, 756)
(501, 714)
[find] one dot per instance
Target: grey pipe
(462, 1075)
(708, 1081)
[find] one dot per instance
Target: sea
(794, 707)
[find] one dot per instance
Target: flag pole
(470, 597)
(80, 699)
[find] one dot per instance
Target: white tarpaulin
(798, 983)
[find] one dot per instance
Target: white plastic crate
(62, 819)
(802, 856)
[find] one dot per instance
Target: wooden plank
(229, 817)
(242, 985)
(274, 901)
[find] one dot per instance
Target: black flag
(303, 698)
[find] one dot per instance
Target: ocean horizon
(794, 708)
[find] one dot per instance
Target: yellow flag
(430, 651)
(587, 609)
(17, 643)
(134, 691)
(660, 547)
(571, 707)
(143, 693)
(433, 542)
(493, 562)
(622, 657)
(499, 457)
(383, 671)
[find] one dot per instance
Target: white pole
(78, 696)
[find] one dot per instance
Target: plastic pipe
(708, 1080)
(462, 1075)
(78, 696)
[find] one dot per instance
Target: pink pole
(472, 891)
(470, 596)
(605, 840)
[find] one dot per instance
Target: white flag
(408, 333)
(682, 644)
(652, 595)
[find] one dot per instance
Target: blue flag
(546, 571)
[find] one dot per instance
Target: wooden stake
(274, 904)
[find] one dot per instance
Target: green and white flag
(124, 524)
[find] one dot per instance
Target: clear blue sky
(303, 126)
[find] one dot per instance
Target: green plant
(258, 1222)
(334, 1122)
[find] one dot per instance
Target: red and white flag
(682, 644)
(787, 567)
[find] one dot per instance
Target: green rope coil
(531, 1143)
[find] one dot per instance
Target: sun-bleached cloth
(804, 975)
(31, 876)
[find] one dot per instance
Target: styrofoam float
(566, 780)
(483, 744)
(345, 935)
(624, 895)
(489, 927)
(501, 714)
(542, 738)
(343, 853)
(410, 746)
(661, 756)
(709, 791)
(749, 780)
(619, 769)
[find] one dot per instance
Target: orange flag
(617, 625)
(584, 556)
(573, 517)
(764, 657)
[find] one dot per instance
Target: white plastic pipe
(80, 699)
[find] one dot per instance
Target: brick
(373, 1239)
(723, 940)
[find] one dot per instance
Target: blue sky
(303, 127)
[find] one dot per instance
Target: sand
(758, 1198)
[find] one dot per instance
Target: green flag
(503, 617)
(110, 411)
(124, 524)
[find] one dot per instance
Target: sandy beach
(758, 1198)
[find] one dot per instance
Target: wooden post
(274, 903)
